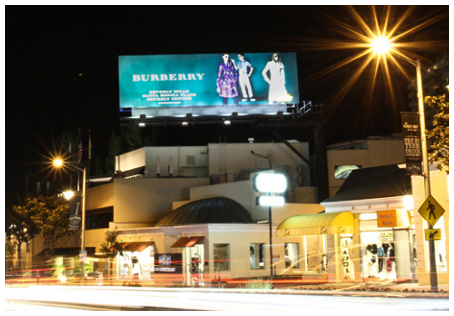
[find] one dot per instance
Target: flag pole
(89, 158)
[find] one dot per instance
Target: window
(256, 256)
(99, 218)
(221, 256)
(315, 253)
(342, 172)
(292, 256)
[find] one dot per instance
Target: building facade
(371, 152)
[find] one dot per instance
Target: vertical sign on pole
(412, 139)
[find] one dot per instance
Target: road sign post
(431, 211)
(433, 234)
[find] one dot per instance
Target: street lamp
(59, 163)
(270, 184)
(381, 45)
(266, 157)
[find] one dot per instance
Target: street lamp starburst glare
(379, 35)
(58, 162)
(381, 45)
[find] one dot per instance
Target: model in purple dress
(227, 78)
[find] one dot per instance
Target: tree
(132, 138)
(439, 134)
(18, 229)
(127, 140)
(114, 150)
(111, 247)
(50, 216)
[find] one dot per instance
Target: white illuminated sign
(267, 200)
(271, 182)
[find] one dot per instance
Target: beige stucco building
(328, 243)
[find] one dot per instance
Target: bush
(258, 284)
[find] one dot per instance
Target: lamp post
(426, 172)
(59, 163)
(381, 46)
(268, 184)
(266, 157)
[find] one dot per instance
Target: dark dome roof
(216, 210)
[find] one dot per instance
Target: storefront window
(221, 256)
(136, 264)
(292, 256)
(315, 253)
(378, 255)
(256, 256)
(440, 249)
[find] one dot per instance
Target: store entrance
(387, 255)
(377, 253)
(193, 259)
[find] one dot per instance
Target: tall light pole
(422, 123)
(59, 163)
(426, 172)
(381, 46)
(270, 184)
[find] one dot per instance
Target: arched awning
(316, 224)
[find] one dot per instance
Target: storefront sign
(168, 263)
(386, 218)
(393, 218)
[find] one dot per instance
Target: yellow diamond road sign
(431, 211)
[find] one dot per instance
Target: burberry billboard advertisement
(165, 81)
(412, 139)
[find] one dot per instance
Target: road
(121, 298)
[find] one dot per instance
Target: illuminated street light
(59, 163)
(68, 194)
(381, 46)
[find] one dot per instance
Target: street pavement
(342, 299)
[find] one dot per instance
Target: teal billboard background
(153, 81)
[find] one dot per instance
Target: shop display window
(292, 256)
(221, 256)
(378, 256)
(315, 253)
(137, 264)
(257, 256)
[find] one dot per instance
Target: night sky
(62, 67)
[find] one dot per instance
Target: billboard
(207, 80)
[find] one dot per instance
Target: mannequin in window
(252, 257)
(381, 258)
